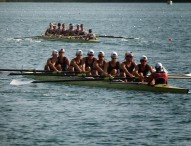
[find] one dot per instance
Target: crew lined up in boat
(159, 76)
(88, 62)
(63, 62)
(76, 63)
(62, 30)
(112, 67)
(142, 69)
(98, 66)
(127, 67)
(52, 62)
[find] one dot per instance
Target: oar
(64, 80)
(179, 76)
(35, 71)
(120, 37)
(47, 74)
(82, 79)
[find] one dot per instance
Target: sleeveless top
(110, 68)
(130, 69)
(63, 63)
(161, 78)
(82, 33)
(87, 64)
(91, 36)
(145, 71)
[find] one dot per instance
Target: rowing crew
(92, 66)
(63, 31)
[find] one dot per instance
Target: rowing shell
(71, 39)
(108, 84)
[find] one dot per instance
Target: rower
(143, 69)
(63, 61)
(159, 77)
(71, 31)
(112, 67)
(50, 30)
(128, 66)
(82, 30)
(88, 62)
(77, 30)
(64, 30)
(51, 62)
(76, 63)
(90, 35)
(54, 29)
(59, 29)
(98, 66)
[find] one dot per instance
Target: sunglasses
(143, 60)
(90, 55)
(129, 56)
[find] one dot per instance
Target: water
(57, 114)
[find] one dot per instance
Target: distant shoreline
(101, 1)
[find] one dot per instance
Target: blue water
(57, 114)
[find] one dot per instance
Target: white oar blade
(19, 82)
(189, 75)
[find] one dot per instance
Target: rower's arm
(105, 68)
(122, 65)
(97, 67)
(150, 69)
(73, 63)
(136, 71)
(150, 79)
(51, 65)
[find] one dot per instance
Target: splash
(19, 82)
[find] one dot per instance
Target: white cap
(90, 52)
(144, 58)
(62, 50)
(101, 53)
(55, 52)
(114, 54)
(158, 65)
(79, 52)
(129, 53)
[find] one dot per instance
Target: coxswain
(51, 62)
(76, 63)
(88, 62)
(63, 61)
(50, 30)
(143, 69)
(90, 35)
(159, 76)
(71, 31)
(64, 30)
(77, 30)
(59, 29)
(112, 67)
(98, 66)
(82, 30)
(128, 66)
